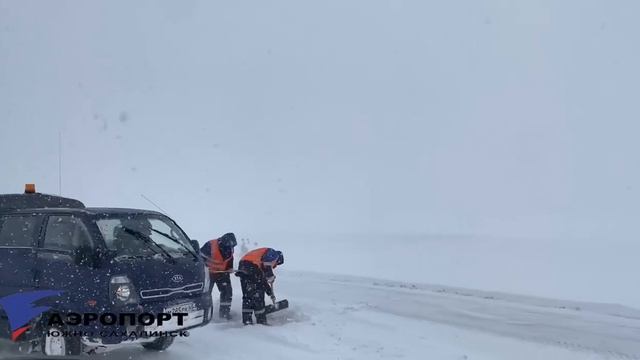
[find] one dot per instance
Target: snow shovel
(277, 306)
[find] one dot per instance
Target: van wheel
(54, 344)
(159, 344)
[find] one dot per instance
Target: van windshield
(142, 235)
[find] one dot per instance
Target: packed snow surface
(345, 317)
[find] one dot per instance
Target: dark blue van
(85, 280)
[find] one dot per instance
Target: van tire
(159, 344)
(71, 346)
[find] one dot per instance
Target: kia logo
(177, 278)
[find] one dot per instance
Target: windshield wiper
(177, 242)
(148, 241)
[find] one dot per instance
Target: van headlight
(122, 291)
(207, 280)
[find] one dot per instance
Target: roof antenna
(154, 204)
(60, 163)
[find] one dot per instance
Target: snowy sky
(368, 116)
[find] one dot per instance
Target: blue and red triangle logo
(21, 308)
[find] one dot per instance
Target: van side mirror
(196, 245)
(86, 256)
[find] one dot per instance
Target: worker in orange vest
(218, 254)
(256, 278)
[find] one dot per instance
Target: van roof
(90, 211)
(37, 201)
(24, 203)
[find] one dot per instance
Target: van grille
(160, 293)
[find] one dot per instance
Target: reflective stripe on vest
(217, 262)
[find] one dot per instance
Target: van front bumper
(199, 310)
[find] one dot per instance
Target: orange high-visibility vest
(217, 262)
(255, 256)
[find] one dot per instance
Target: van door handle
(50, 255)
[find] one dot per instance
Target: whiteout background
(481, 144)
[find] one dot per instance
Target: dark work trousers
(252, 300)
(223, 282)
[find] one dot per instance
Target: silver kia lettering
(177, 278)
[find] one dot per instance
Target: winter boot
(225, 312)
(261, 318)
(247, 317)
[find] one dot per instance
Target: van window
(19, 231)
(66, 232)
(142, 234)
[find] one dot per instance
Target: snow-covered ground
(345, 317)
(367, 297)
